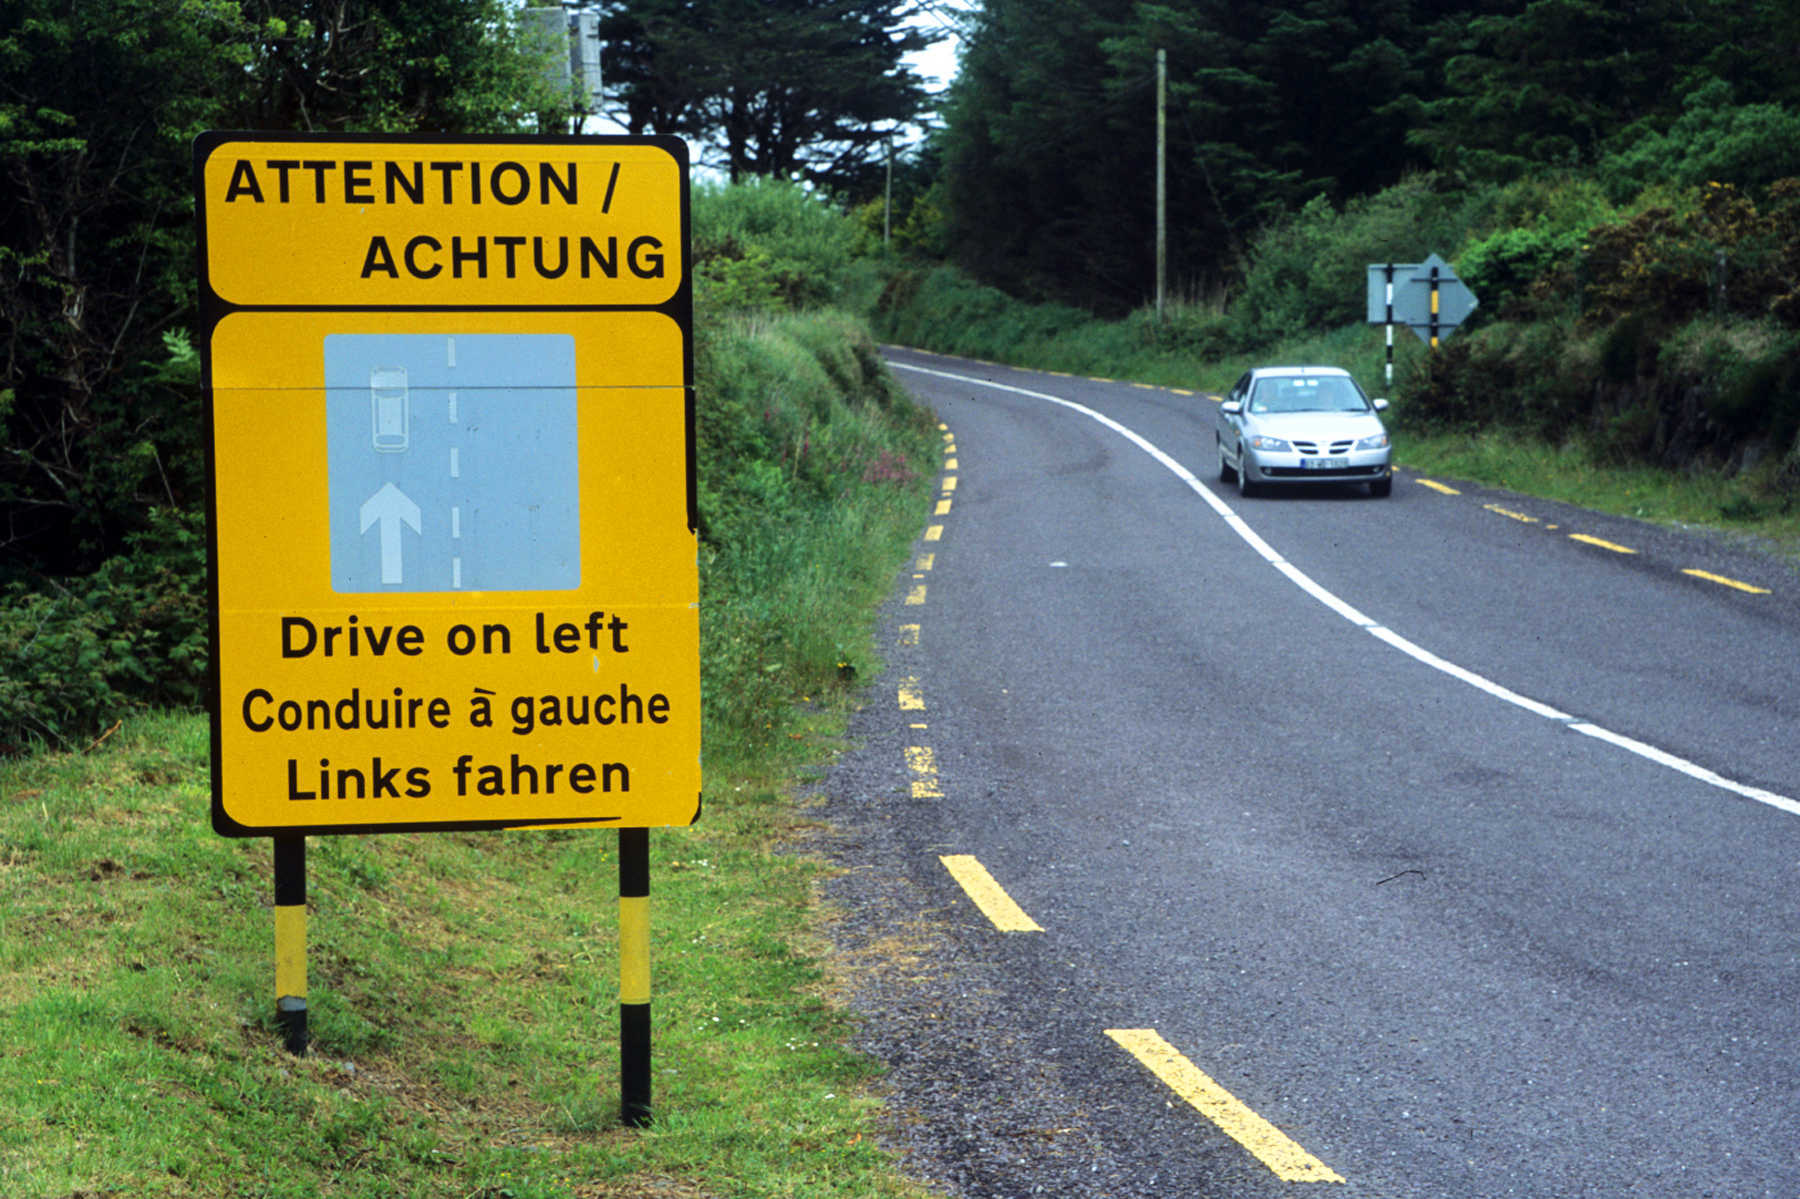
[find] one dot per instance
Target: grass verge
(463, 986)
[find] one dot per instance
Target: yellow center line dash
(949, 483)
(1605, 545)
(909, 634)
(911, 698)
(923, 763)
(934, 532)
(916, 596)
(1436, 486)
(942, 509)
(950, 464)
(1519, 516)
(988, 895)
(1725, 582)
(1269, 1144)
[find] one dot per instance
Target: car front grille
(1315, 448)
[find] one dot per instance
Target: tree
(98, 106)
(1556, 83)
(447, 66)
(1050, 141)
(795, 89)
(1048, 152)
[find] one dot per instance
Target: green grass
(462, 996)
(1572, 473)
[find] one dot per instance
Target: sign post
(450, 436)
(1425, 296)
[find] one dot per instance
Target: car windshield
(1299, 393)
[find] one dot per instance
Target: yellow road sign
(486, 224)
(454, 564)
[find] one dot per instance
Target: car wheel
(1381, 487)
(1246, 488)
(1227, 474)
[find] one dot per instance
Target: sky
(938, 64)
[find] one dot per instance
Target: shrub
(766, 244)
(1503, 267)
(1309, 271)
(76, 654)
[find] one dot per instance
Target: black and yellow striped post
(1434, 308)
(634, 976)
(290, 941)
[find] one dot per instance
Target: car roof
(1288, 372)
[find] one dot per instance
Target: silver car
(1302, 424)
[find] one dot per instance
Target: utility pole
(1162, 199)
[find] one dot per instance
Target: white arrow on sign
(391, 507)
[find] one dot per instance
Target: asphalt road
(1433, 845)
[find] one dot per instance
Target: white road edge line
(1418, 653)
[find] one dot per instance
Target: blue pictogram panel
(452, 462)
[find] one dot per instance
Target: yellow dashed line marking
(909, 634)
(950, 464)
(1146, 387)
(1269, 1144)
(1440, 488)
(1181, 391)
(942, 509)
(1725, 582)
(925, 562)
(1605, 545)
(989, 895)
(911, 699)
(923, 763)
(1518, 516)
(934, 532)
(949, 483)
(916, 595)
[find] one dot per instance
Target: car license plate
(1324, 464)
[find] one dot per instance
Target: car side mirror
(1381, 405)
(1236, 407)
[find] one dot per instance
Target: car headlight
(1262, 441)
(1378, 442)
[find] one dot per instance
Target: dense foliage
(1049, 145)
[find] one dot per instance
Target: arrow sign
(391, 508)
(1411, 296)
